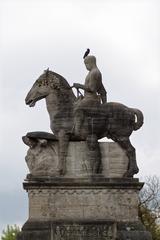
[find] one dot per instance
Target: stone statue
(79, 188)
(89, 119)
(42, 157)
(94, 92)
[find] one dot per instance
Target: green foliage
(10, 233)
(149, 207)
(149, 219)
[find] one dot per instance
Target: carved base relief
(42, 160)
(77, 204)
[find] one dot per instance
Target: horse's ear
(46, 72)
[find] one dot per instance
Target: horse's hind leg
(130, 151)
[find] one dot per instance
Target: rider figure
(94, 92)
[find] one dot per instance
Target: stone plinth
(81, 205)
(96, 199)
(83, 209)
(42, 160)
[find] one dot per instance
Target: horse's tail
(139, 118)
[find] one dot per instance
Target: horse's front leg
(63, 142)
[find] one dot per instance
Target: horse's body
(112, 120)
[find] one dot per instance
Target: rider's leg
(78, 121)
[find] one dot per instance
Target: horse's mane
(62, 84)
(63, 81)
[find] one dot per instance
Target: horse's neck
(56, 105)
(51, 105)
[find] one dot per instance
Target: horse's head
(39, 89)
(48, 82)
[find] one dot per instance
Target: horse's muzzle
(31, 102)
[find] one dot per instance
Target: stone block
(101, 200)
(43, 161)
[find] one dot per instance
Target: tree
(149, 206)
(10, 233)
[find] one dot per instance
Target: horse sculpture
(112, 120)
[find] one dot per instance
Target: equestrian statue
(87, 117)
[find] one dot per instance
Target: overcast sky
(124, 35)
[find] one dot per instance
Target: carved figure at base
(41, 158)
(72, 120)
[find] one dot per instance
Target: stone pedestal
(42, 160)
(84, 207)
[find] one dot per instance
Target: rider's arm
(81, 86)
(95, 80)
(94, 83)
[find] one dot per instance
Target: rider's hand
(76, 85)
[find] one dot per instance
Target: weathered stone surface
(76, 202)
(114, 160)
(42, 159)
(69, 230)
(84, 230)
(71, 209)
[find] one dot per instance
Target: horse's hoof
(130, 173)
